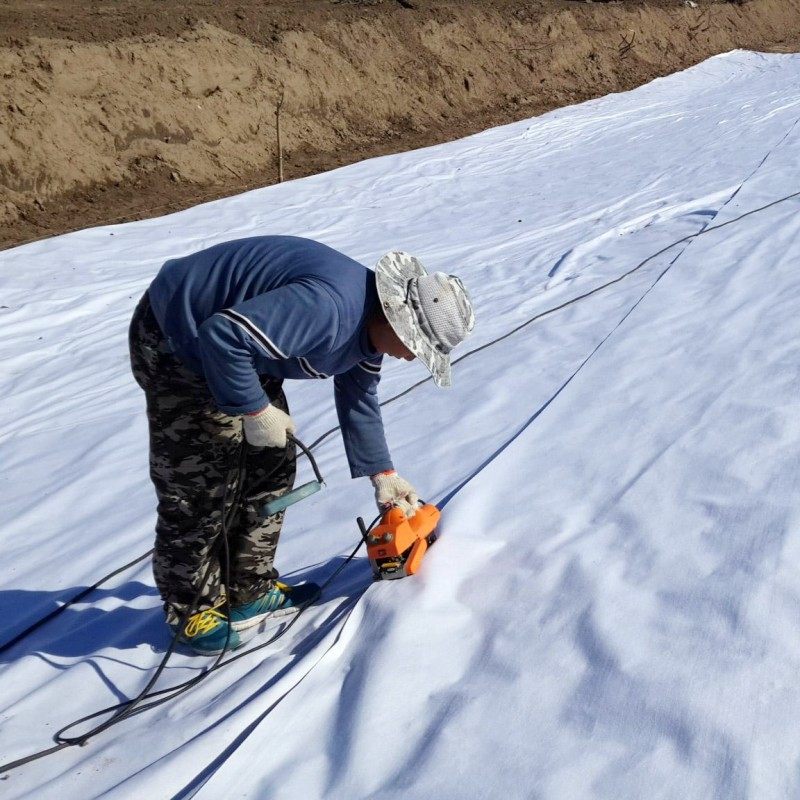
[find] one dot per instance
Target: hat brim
(392, 274)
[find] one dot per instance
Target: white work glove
(268, 427)
(392, 490)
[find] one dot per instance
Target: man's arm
(356, 394)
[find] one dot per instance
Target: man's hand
(392, 490)
(268, 427)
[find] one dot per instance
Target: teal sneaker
(207, 631)
(281, 599)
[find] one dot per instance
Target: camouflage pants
(195, 453)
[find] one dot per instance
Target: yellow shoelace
(204, 621)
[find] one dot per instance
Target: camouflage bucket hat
(430, 313)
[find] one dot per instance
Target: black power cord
(180, 688)
(126, 708)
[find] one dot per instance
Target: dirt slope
(116, 110)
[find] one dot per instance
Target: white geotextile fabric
(612, 609)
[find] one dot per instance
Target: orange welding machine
(396, 545)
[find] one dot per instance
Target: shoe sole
(213, 652)
(251, 622)
(216, 652)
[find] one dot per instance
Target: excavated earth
(121, 109)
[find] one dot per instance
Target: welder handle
(290, 498)
(301, 492)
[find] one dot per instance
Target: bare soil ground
(121, 109)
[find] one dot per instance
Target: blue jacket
(279, 306)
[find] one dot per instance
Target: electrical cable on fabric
(126, 708)
(219, 663)
(131, 708)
